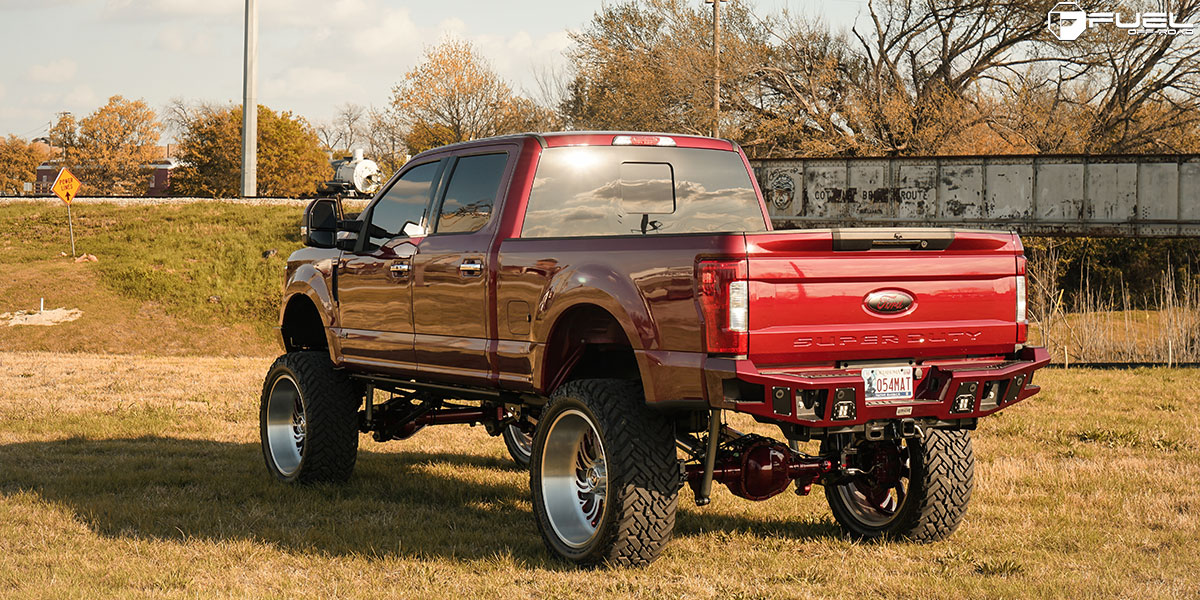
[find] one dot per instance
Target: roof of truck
(556, 139)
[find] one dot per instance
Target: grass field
(131, 476)
(170, 279)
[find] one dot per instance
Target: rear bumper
(946, 390)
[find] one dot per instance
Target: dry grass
(112, 322)
(1105, 325)
(129, 476)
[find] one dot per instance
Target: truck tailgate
(830, 295)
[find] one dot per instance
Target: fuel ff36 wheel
(520, 442)
(915, 488)
(604, 476)
(308, 419)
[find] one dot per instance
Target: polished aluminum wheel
(285, 425)
(876, 497)
(574, 478)
(522, 442)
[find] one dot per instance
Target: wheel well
(303, 328)
(587, 342)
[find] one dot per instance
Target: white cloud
(394, 32)
(1, 91)
(174, 8)
(58, 71)
(305, 81)
(175, 39)
(82, 96)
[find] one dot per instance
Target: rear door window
(471, 193)
(405, 202)
(624, 190)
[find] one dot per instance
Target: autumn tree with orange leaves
(111, 149)
(290, 159)
(19, 161)
(453, 95)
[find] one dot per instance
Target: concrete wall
(1156, 196)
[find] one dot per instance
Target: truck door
(452, 313)
(375, 282)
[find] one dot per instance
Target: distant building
(160, 177)
(159, 180)
(44, 179)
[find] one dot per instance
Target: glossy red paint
(941, 381)
(807, 300)
(808, 321)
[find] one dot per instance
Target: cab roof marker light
(642, 140)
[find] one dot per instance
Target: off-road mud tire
(330, 402)
(643, 473)
(942, 465)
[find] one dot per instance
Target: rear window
(623, 190)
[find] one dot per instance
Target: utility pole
(250, 105)
(716, 65)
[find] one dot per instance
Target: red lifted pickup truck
(603, 299)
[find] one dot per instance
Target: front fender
(313, 280)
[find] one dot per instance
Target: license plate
(888, 383)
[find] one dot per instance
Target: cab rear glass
(624, 190)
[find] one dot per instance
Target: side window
(404, 202)
(471, 193)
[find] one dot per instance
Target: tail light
(1022, 316)
(725, 304)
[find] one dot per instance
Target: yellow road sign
(66, 186)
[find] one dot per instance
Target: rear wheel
(604, 476)
(308, 419)
(915, 488)
(520, 442)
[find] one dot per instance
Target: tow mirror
(319, 227)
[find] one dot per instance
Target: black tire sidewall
(941, 478)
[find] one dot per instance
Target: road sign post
(66, 186)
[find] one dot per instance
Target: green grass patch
(202, 261)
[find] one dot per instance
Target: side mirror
(319, 227)
(413, 230)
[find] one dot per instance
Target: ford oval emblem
(888, 302)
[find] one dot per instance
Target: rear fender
(608, 290)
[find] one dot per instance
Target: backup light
(724, 297)
(1022, 305)
(642, 140)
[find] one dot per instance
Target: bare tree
(384, 135)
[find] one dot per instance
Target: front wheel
(915, 488)
(308, 419)
(604, 476)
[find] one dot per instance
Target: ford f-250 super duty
(602, 300)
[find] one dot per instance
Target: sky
(314, 55)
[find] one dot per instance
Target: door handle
(470, 267)
(400, 269)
